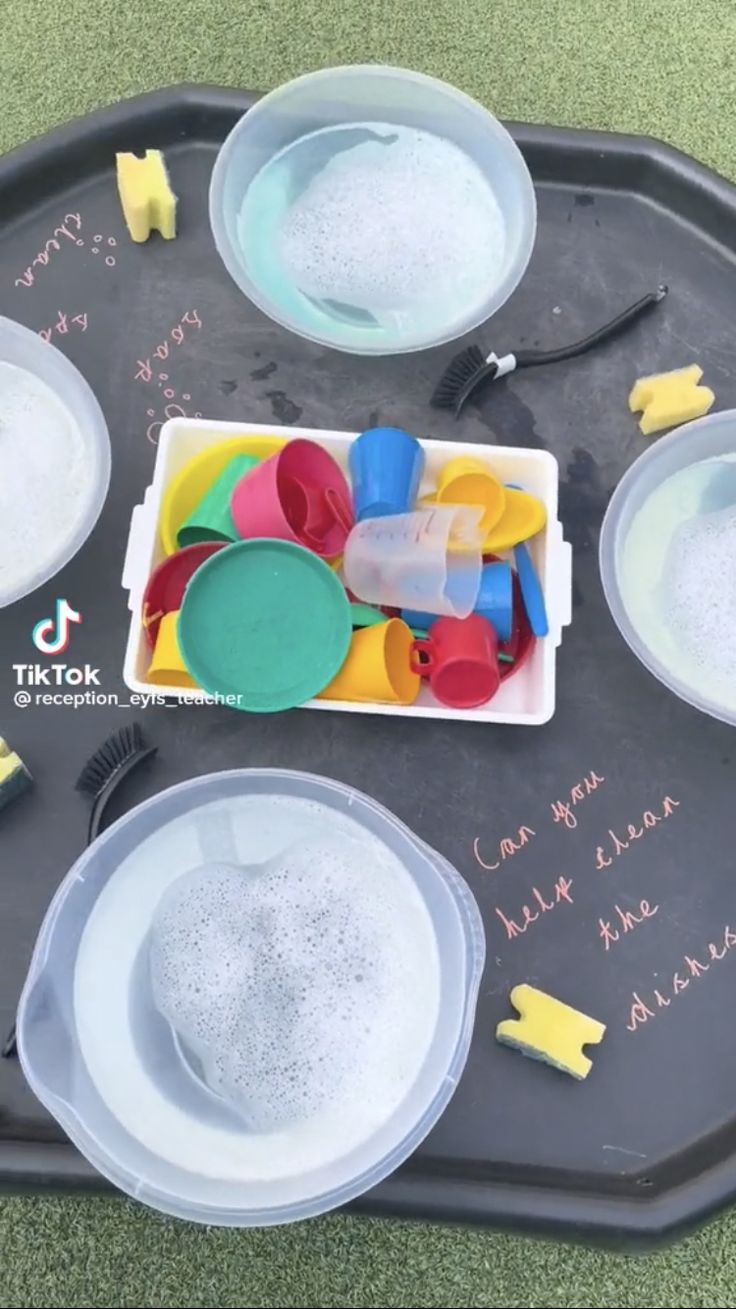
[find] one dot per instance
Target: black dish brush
(469, 369)
(108, 767)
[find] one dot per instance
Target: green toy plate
(265, 625)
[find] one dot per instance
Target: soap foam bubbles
(401, 220)
(284, 981)
(46, 477)
(697, 592)
(293, 955)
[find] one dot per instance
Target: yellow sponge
(146, 196)
(667, 399)
(14, 776)
(550, 1030)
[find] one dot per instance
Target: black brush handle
(531, 358)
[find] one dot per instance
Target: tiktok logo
(51, 635)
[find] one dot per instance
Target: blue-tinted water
(372, 230)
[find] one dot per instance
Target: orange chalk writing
(506, 849)
(562, 810)
(562, 813)
(617, 845)
(69, 230)
(695, 968)
(145, 370)
(560, 894)
(689, 971)
(64, 325)
(639, 1014)
(153, 431)
(626, 921)
(63, 230)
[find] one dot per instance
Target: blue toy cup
(386, 466)
(496, 597)
(415, 618)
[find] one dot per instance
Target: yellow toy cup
(378, 667)
(167, 666)
(468, 481)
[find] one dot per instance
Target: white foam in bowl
(55, 459)
(681, 629)
(293, 1025)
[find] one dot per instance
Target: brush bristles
(110, 757)
(458, 372)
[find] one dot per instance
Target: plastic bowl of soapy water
(55, 452)
(668, 562)
(252, 997)
(373, 209)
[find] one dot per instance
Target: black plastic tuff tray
(615, 823)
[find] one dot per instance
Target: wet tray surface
(600, 846)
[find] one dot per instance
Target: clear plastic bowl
(24, 349)
(51, 1038)
(361, 94)
(705, 438)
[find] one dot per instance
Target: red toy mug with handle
(460, 659)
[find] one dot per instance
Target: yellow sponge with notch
(147, 198)
(14, 776)
(667, 399)
(551, 1031)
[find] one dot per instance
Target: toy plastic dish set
(252, 1102)
(333, 558)
(53, 487)
(381, 149)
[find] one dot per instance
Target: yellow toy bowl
(193, 481)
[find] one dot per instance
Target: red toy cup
(300, 494)
(460, 658)
(167, 584)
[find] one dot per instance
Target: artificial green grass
(666, 67)
(109, 1252)
(663, 67)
